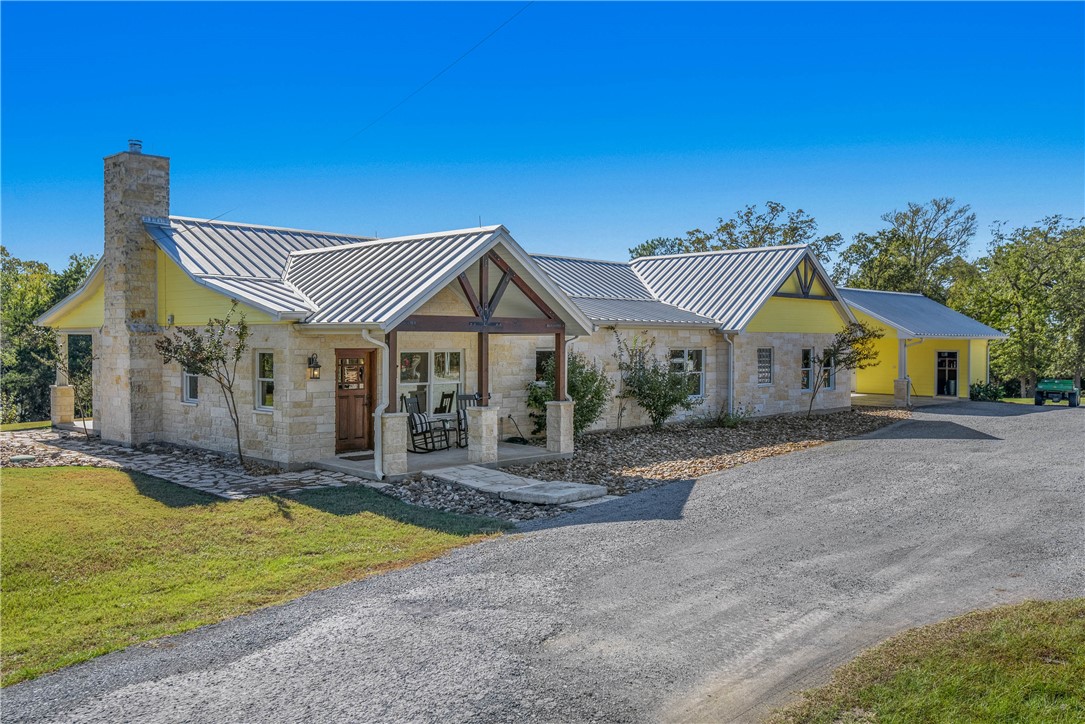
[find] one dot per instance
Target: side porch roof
(914, 315)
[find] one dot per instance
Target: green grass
(16, 426)
(1030, 401)
(95, 559)
(1023, 663)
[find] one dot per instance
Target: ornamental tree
(852, 348)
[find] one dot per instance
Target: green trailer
(1057, 391)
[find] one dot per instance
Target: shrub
(587, 385)
(659, 388)
(985, 391)
(729, 420)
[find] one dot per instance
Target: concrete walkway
(708, 602)
(524, 490)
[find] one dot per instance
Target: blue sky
(584, 128)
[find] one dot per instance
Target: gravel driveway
(701, 602)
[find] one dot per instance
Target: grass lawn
(1030, 401)
(16, 426)
(1023, 663)
(96, 559)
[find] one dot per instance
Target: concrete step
(513, 487)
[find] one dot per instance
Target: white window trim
(809, 387)
(831, 385)
(185, 399)
(258, 379)
(772, 367)
(700, 375)
(432, 357)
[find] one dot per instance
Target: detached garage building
(928, 349)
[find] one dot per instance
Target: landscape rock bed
(429, 492)
(626, 461)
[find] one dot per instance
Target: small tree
(852, 348)
(588, 386)
(656, 385)
(211, 352)
(76, 365)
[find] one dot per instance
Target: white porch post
(62, 395)
(902, 385)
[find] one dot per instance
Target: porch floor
(863, 399)
(507, 454)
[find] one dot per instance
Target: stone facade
(61, 404)
(127, 368)
(559, 427)
(784, 394)
(482, 434)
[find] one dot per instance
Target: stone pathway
(506, 486)
(199, 470)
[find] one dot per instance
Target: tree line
(1029, 283)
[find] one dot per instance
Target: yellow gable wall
(193, 304)
(89, 313)
(878, 380)
(791, 286)
(786, 314)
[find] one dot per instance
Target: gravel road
(706, 601)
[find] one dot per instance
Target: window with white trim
(265, 381)
(434, 377)
(828, 372)
(806, 369)
(542, 356)
(690, 361)
(764, 365)
(190, 387)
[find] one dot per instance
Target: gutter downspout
(730, 337)
(378, 461)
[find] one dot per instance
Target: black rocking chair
(465, 401)
(448, 399)
(427, 434)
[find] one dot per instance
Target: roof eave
(45, 319)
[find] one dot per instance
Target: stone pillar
(61, 404)
(394, 443)
(482, 434)
(559, 426)
(902, 392)
(136, 186)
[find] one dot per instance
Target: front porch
(364, 466)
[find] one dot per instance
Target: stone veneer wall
(784, 394)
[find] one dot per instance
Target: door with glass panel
(354, 388)
(946, 375)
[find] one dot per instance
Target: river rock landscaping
(626, 461)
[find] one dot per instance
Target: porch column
(561, 364)
(902, 385)
(484, 368)
(394, 443)
(482, 434)
(559, 426)
(62, 395)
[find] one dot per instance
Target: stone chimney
(128, 371)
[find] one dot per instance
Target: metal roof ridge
(400, 239)
(886, 291)
(269, 227)
(579, 258)
(748, 249)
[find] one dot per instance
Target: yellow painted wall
(193, 304)
(786, 314)
(88, 313)
(922, 362)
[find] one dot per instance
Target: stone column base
(559, 426)
(61, 404)
(394, 443)
(902, 392)
(482, 434)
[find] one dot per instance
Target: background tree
(852, 348)
(211, 352)
(750, 227)
(921, 250)
(587, 384)
(28, 289)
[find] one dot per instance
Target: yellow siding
(193, 304)
(791, 286)
(89, 313)
(978, 366)
(818, 288)
(878, 380)
(923, 363)
(785, 314)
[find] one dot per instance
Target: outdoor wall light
(314, 367)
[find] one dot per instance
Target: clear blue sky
(584, 128)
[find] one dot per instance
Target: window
(265, 380)
(542, 356)
(190, 387)
(435, 378)
(690, 361)
(828, 372)
(764, 365)
(807, 369)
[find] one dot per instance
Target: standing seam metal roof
(917, 315)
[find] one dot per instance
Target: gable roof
(915, 315)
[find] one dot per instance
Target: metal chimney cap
(135, 145)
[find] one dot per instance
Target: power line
(444, 70)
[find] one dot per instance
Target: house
(344, 328)
(928, 349)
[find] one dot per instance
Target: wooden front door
(354, 389)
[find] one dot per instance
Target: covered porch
(363, 465)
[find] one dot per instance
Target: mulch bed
(635, 459)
